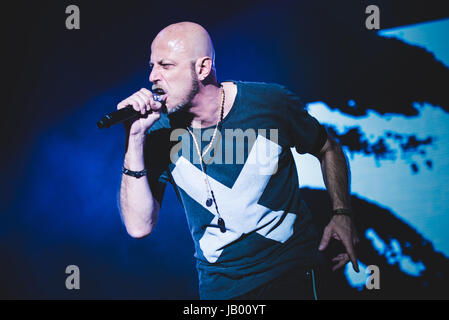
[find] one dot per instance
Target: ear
(203, 67)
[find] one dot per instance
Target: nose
(154, 75)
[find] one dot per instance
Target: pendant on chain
(221, 225)
(208, 202)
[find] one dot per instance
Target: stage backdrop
(381, 93)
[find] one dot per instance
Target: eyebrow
(161, 62)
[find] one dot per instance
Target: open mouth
(159, 91)
(159, 95)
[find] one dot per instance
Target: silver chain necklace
(211, 197)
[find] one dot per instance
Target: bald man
(225, 148)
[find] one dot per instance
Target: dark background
(60, 174)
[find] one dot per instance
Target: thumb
(325, 239)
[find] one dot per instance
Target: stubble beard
(194, 88)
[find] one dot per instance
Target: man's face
(173, 72)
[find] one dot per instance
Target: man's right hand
(143, 102)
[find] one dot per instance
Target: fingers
(325, 239)
(347, 242)
(141, 101)
(148, 96)
(341, 260)
(130, 101)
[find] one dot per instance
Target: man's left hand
(342, 229)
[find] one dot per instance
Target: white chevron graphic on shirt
(238, 205)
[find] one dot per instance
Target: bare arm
(138, 207)
(335, 174)
(336, 178)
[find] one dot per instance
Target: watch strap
(343, 211)
(135, 174)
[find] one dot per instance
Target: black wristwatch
(135, 174)
(343, 211)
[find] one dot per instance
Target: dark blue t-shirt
(253, 176)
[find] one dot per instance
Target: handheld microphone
(125, 114)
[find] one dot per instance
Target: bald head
(188, 39)
(182, 65)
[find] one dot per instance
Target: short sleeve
(305, 133)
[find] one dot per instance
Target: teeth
(159, 91)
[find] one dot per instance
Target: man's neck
(205, 108)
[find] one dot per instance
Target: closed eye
(166, 65)
(162, 64)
